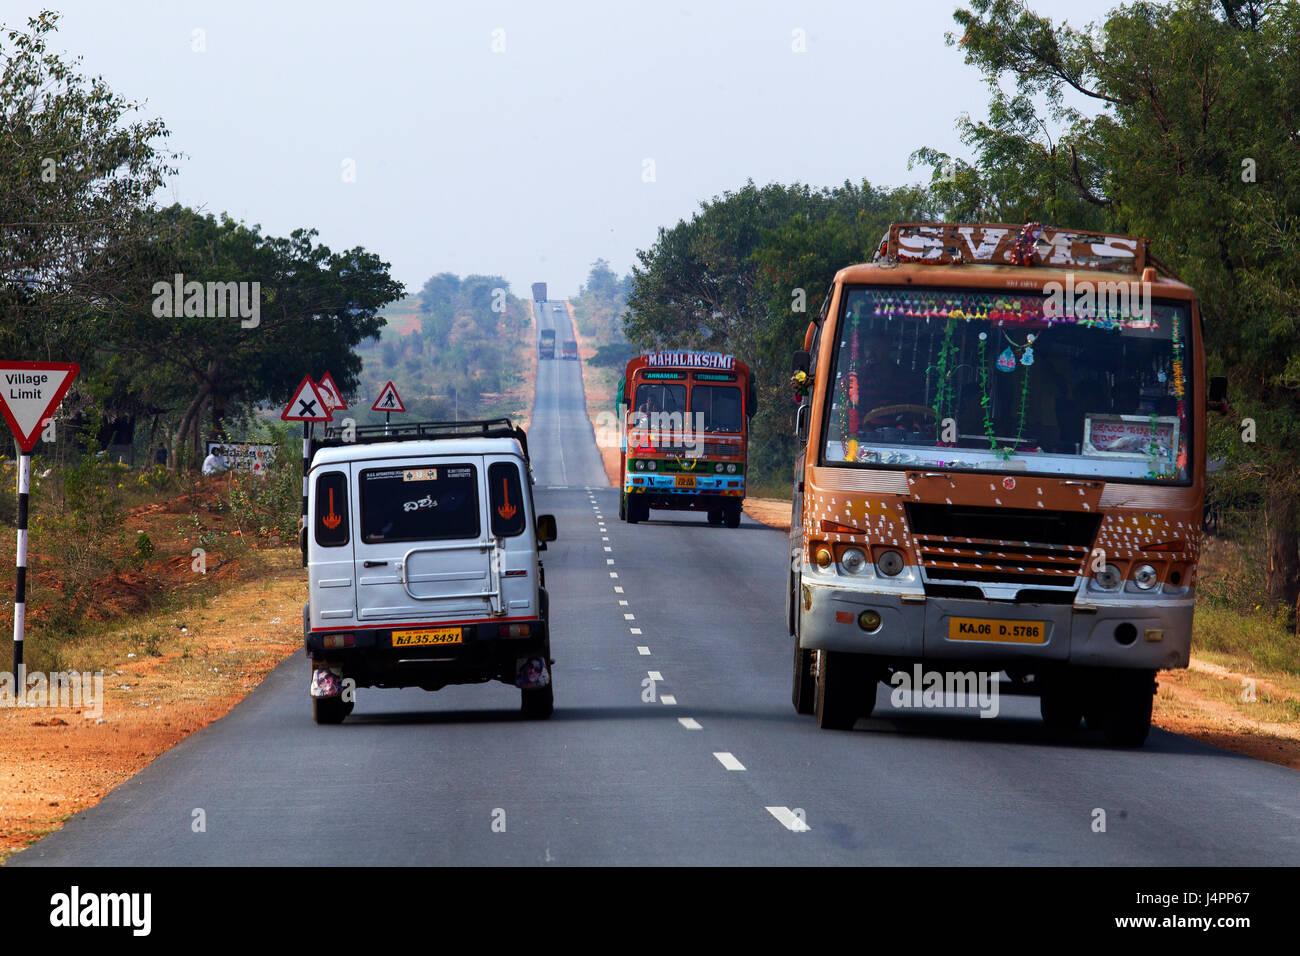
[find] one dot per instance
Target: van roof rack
(422, 431)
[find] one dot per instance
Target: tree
(75, 178)
(315, 306)
(1193, 140)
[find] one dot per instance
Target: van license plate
(988, 629)
(437, 635)
(685, 481)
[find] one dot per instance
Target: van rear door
(424, 550)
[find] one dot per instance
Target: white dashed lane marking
(617, 589)
(635, 630)
(654, 675)
(629, 617)
(728, 761)
(668, 699)
(789, 819)
(643, 650)
(690, 723)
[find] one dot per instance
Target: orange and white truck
(1001, 466)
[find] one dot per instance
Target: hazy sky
(530, 162)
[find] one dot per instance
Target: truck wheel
(731, 515)
(538, 703)
(715, 516)
(330, 710)
(622, 507)
(633, 510)
(839, 692)
(1126, 706)
(803, 691)
(1061, 707)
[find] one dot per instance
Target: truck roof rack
(1014, 244)
(422, 431)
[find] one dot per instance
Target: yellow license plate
(437, 635)
(989, 629)
(685, 481)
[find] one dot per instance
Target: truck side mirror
(546, 530)
(302, 543)
(802, 361)
(801, 418)
(1217, 400)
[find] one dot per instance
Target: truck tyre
(803, 692)
(715, 516)
(622, 506)
(330, 710)
(1126, 706)
(539, 703)
(839, 691)
(731, 514)
(1061, 706)
(637, 510)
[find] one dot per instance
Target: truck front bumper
(1154, 634)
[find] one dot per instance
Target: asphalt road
(715, 768)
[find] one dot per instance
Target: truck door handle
(373, 564)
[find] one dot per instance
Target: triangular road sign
(30, 392)
(307, 405)
(331, 394)
(388, 401)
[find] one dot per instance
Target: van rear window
(419, 503)
(332, 509)
(507, 500)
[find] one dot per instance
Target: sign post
(29, 393)
(306, 406)
(388, 402)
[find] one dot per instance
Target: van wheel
(330, 710)
(839, 691)
(1126, 706)
(731, 515)
(538, 703)
(803, 690)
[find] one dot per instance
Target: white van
(422, 551)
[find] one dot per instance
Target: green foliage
(600, 304)
(467, 352)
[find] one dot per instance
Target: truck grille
(1001, 546)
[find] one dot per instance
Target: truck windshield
(1089, 386)
(718, 407)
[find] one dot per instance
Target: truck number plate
(437, 635)
(685, 481)
(989, 629)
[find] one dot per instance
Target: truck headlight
(731, 468)
(1108, 578)
(650, 465)
(853, 561)
(890, 563)
(718, 467)
(1145, 577)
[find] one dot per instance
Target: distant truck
(539, 291)
(569, 351)
(546, 344)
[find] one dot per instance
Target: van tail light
(514, 630)
(333, 642)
